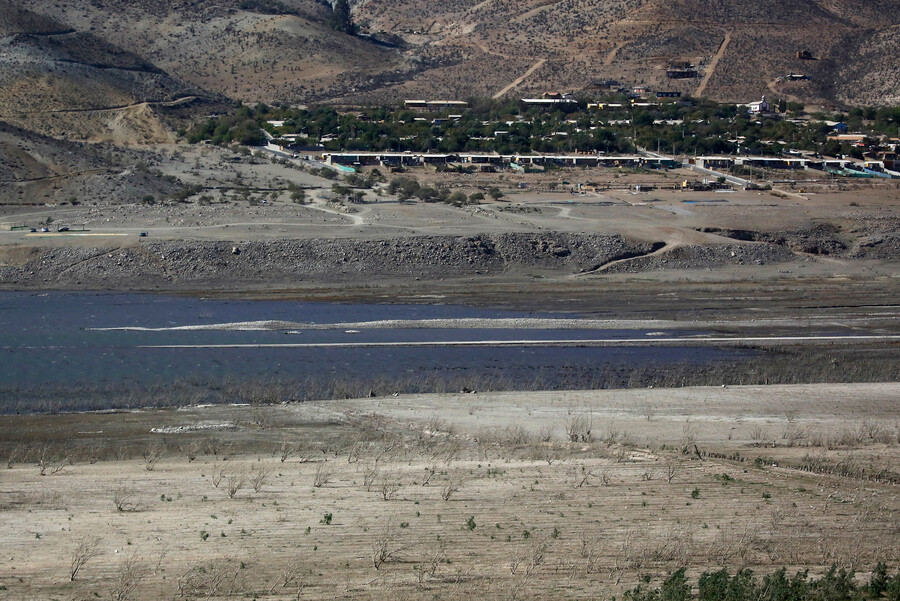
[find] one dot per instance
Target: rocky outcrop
(161, 263)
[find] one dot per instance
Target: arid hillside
(252, 50)
(740, 50)
(70, 83)
(37, 170)
(67, 56)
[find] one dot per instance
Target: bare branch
(87, 549)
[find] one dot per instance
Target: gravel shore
(169, 264)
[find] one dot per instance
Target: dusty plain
(509, 495)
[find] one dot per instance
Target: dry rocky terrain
(117, 70)
(503, 495)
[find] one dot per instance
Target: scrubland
(563, 495)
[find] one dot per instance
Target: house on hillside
(761, 106)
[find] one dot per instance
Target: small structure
(604, 84)
(547, 102)
(761, 106)
(435, 105)
(681, 70)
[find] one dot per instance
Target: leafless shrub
(286, 449)
(674, 545)
(649, 411)
(217, 447)
(454, 482)
(545, 434)
(531, 556)
(191, 450)
(792, 434)
(370, 474)
(387, 546)
(355, 452)
(219, 578)
(611, 435)
(872, 430)
(449, 451)
(758, 434)
(14, 455)
(688, 438)
(605, 477)
(292, 576)
(578, 428)
(437, 426)
(217, 476)
(390, 484)
(260, 417)
(435, 555)
(43, 457)
(429, 474)
(776, 515)
(671, 471)
(258, 478)
(151, 454)
(87, 549)
(628, 556)
(234, 482)
(49, 461)
(549, 453)
(515, 435)
(589, 551)
(128, 577)
(123, 498)
(94, 452)
(734, 542)
(323, 474)
(581, 477)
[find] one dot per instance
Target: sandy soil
(797, 476)
(864, 221)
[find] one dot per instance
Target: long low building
(725, 162)
(413, 159)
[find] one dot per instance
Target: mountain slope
(286, 51)
(37, 169)
(751, 45)
(251, 50)
(68, 83)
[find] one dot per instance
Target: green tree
(341, 19)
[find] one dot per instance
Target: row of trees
(407, 188)
(701, 127)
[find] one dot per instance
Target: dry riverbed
(487, 495)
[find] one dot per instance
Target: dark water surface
(56, 341)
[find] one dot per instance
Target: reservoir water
(72, 351)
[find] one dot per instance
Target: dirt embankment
(325, 260)
(868, 241)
